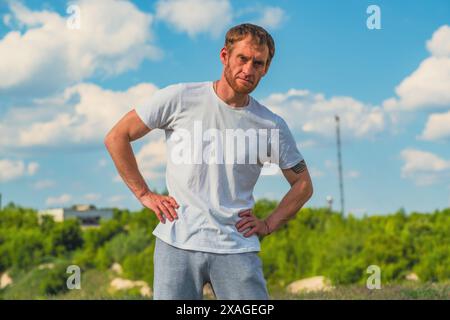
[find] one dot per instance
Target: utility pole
(341, 180)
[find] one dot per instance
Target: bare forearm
(122, 154)
(291, 203)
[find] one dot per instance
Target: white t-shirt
(215, 153)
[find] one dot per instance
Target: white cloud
(82, 114)
(308, 143)
(102, 163)
(313, 113)
(428, 86)
(424, 168)
(43, 184)
(437, 127)
(151, 159)
(195, 16)
(352, 174)
(439, 45)
(58, 200)
(268, 17)
(32, 168)
(271, 17)
(92, 196)
(13, 169)
(114, 37)
(315, 173)
(116, 198)
(7, 20)
(330, 164)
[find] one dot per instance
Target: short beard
(232, 83)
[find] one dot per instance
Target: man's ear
(224, 55)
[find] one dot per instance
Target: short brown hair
(258, 34)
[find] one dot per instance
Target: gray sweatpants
(181, 274)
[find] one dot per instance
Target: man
(212, 235)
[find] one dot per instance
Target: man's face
(245, 65)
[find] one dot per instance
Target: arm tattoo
(299, 167)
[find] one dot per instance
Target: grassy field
(405, 291)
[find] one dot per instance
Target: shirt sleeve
(289, 155)
(160, 110)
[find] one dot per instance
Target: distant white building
(87, 214)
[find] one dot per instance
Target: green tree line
(316, 241)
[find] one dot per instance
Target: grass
(95, 286)
(404, 291)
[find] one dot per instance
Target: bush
(95, 238)
(54, 281)
(140, 266)
(65, 237)
(125, 244)
(25, 248)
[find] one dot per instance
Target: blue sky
(61, 89)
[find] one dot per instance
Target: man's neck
(229, 96)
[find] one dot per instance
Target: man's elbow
(304, 188)
(110, 138)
